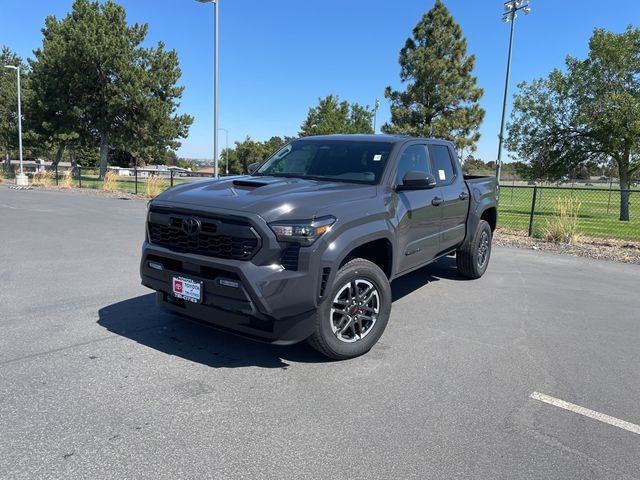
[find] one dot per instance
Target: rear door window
(442, 162)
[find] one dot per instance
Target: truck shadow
(443, 269)
(144, 322)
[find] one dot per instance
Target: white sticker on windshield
(377, 157)
(442, 175)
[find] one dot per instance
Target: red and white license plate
(187, 289)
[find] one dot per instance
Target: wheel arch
(378, 252)
(490, 215)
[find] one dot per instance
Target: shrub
(154, 186)
(562, 227)
(42, 179)
(110, 182)
(67, 180)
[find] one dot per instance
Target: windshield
(335, 160)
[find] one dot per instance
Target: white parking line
(572, 407)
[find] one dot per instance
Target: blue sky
(278, 57)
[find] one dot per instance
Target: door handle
(436, 201)
(463, 195)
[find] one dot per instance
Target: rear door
(417, 212)
(453, 191)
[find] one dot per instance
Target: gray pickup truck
(305, 247)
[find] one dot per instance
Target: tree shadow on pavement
(146, 323)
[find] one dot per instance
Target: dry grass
(154, 186)
(42, 179)
(2, 176)
(562, 227)
(110, 182)
(66, 181)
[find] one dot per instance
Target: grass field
(598, 214)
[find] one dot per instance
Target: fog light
(155, 265)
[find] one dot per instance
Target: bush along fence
(563, 213)
(138, 181)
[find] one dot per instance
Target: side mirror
(253, 167)
(414, 180)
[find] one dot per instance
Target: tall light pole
(21, 178)
(511, 8)
(226, 148)
(215, 83)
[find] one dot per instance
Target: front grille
(216, 238)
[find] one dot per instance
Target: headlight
(304, 232)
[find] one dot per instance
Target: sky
(277, 58)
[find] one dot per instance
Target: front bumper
(269, 304)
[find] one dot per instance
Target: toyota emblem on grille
(191, 226)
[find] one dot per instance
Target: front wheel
(472, 259)
(355, 313)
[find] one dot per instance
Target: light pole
(375, 113)
(215, 84)
(511, 8)
(21, 179)
(226, 147)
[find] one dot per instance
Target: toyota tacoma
(305, 246)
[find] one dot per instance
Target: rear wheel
(472, 259)
(355, 313)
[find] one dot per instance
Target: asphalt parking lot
(98, 382)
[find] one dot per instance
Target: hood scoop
(249, 184)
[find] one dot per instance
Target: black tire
(339, 340)
(472, 259)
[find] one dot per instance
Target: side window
(442, 164)
(415, 157)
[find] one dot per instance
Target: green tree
(441, 98)
(472, 164)
(249, 151)
(332, 116)
(590, 112)
(188, 164)
(9, 105)
(230, 157)
(106, 85)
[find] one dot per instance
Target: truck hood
(273, 198)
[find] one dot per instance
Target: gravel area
(598, 248)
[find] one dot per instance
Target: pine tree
(441, 96)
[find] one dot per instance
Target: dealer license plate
(187, 289)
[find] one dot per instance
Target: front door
(417, 213)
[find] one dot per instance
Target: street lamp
(215, 83)
(21, 179)
(511, 9)
(226, 148)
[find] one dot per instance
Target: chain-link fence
(596, 212)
